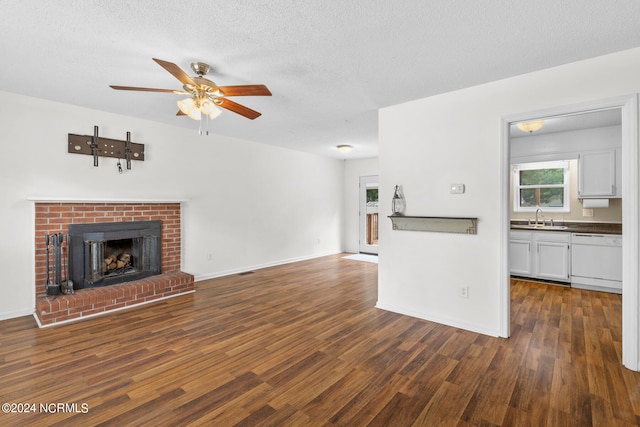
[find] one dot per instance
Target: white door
(369, 214)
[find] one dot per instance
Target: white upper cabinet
(597, 174)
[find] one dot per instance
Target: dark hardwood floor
(302, 344)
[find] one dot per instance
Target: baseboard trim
(231, 272)
(13, 314)
(437, 319)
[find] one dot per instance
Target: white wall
(455, 137)
(248, 204)
(354, 169)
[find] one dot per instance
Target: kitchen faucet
(539, 211)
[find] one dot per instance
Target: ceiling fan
(204, 95)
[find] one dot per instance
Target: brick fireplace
(55, 217)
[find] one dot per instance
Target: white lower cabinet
(540, 254)
(520, 253)
(553, 259)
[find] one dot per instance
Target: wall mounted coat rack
(95, 146)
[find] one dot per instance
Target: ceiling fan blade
(176, 71)
(180, 113)
(245, 90)
(236, 108)
(145, 89)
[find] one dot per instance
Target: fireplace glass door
(113, 258)
(110, 253)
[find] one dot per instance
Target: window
(542, 184)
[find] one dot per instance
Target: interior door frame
(630, 214)
(368, 181)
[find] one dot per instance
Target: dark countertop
(572, 227)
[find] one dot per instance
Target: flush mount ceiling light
(530, 126)
(344, 149)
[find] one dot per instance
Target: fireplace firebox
(102, 254)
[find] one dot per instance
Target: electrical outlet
(587, 213)
(456, 189)
(464, 291)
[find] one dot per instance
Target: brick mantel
(54, 216)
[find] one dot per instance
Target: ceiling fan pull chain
(204, 130)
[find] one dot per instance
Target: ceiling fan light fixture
(215, 112)
(206, 107)
(204, 94)
(531, 126)
(186, 105)
(195, 114)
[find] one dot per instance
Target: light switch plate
(456, 189)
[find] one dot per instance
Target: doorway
(368, 202)
(628, 106)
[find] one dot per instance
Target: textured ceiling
(330, 64)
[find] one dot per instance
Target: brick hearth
(92, 301)
(56, 217)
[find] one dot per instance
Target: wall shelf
(435, 224)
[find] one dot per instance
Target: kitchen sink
(539, 227)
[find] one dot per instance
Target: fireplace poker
(59, 260)
(67, 285)
(54, 289)
(56, 246)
